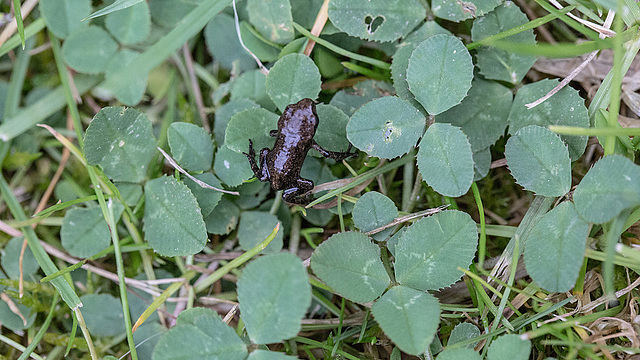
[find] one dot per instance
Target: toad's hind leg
(293, 195)
(335, 155)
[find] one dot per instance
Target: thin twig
(139, 284)
(227, 318)
(5, 228)
(13, 307)
(40, 49)
(318, 25)
(199, 182)
(263, 69)
(197, 93)
(498, 163)
(602, 300)
(575, 71)
(562, 83)
(401, 219)
(12, 26)
(602, 30)
(73, 88)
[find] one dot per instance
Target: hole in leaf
(390, 132)
(387, 133)
(373, 24)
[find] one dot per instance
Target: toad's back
(296, 129)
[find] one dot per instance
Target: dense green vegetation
(490, 211)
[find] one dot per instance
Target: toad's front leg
(262, 173)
